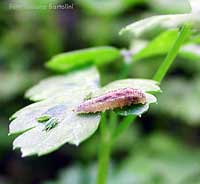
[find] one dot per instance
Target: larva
(111, 100)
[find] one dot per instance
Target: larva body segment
(111, 100)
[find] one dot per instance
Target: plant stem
(113, 119)
(160, 74)
(110, 134)
(107, 139)
(104, 151)
(103, 164)
(164, 67)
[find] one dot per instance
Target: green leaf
(164, 42)
(173, 52)
(75, 59)
(164, 21)
(42, 138)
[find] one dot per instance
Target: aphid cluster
(111, 100)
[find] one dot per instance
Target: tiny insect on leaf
(50, 124)
(88, 96)
(43, 119)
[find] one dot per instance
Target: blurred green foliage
(75, 59)
(180, 99)
(107, 8)
(157, 159)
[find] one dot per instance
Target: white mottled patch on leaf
(71, 128)
(166, 21)
(195, 6)
(26, 118)
(61, 85)
(162, 21)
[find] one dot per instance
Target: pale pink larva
(111, 100)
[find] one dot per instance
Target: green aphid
(48, 122)
(43, 119)
(88, 96)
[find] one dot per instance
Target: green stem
(103, 164)
(164, 67)
(104, 151)
(106, 137)
(113, 119)
(160, 74)
(110, 134)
